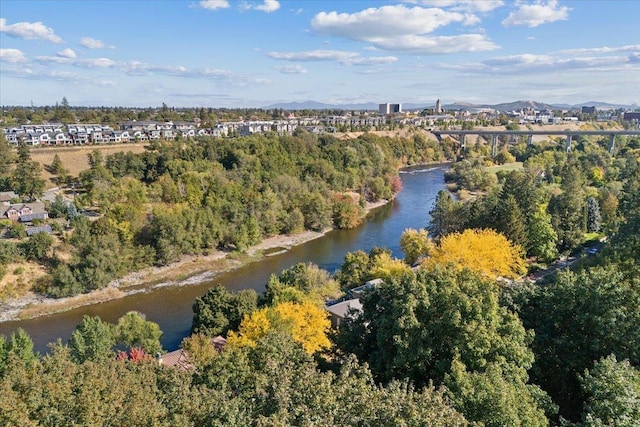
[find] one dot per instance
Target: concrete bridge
(568, 134)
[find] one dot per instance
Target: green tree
(440, 325)
(444, 218)
(7, 157)
(132, 330)
(568, 209)
(613, 394)
(26, 176)
(302, 281)
(594, 313)
(511, 222)
(92, 340)
(20, 346)
(415, 244)
(37, 246)
(354, 270)
(541, 237)
(218, 310)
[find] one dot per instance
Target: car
(593, 251)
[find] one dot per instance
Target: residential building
(24, 212)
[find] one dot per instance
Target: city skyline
(219, 53)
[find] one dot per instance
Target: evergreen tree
(593, 215)
(26, 176)
(511, 222)
(568, 209)
(444, 218)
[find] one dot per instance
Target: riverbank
(189, 270)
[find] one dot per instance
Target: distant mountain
(457, 106)
(314, 105)
(521, 105)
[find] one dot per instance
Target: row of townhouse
(134, 131)
(371, 121)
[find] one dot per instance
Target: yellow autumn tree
(307, 323)
(485, 251)
(385, 267)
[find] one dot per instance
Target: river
(170, 306)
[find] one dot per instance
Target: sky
(254, 53)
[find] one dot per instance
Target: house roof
(356, 292)
(180, 358)
(342, 309)
(42, 229)
(6, 196)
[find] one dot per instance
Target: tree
(20, 345)
(439, 326)
(383, 266)
(354, 270)
(492, 398)
(593, 215)
(307, 324)
(568, 209)
(301, 282)
(511, 222)
(218, 310)
(484, 251)
(56, 165)
(92, 340)
(504, 156)
(613, 394)
(594, 313)
(26, 176)
(132, 330)
(36, 248)
(444, 218)
(7, 157)
(346, 212)
(541, 237)
(415, 244)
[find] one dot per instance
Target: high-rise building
(387, 108)
(438, 106)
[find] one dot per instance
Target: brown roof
(180, 358)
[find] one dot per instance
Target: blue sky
(226, 53)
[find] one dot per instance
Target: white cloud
(436, 44)
(292, 69)
(91, 43)
(14, 56)
(267, 6)
(29, 31)
(605, 49)
(470, 5)
(537, 14)
(67, 53)
(402, 29)
(137, 68)
(596, 59)
(386, 21)
(78, 62)
(340, 56)
(214, 4)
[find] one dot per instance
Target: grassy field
(75, 159)
(506, 167)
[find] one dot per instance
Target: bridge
(568, 134)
